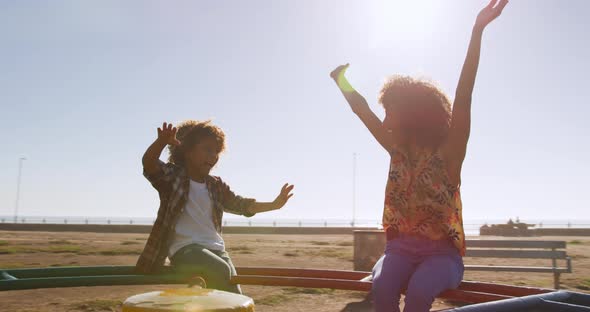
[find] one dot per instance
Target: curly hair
(422, 108)
(190, 133)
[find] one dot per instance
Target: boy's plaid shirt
(173, 184)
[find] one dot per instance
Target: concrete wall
(145, 229)
(561, 232)
(493, 231)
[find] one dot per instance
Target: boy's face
(203, 156)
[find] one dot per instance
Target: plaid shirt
(173, 184)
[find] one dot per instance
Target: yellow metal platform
(193, 299)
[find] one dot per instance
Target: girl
(427, 143)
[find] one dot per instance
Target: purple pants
(422, 268)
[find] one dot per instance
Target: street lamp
(20, 169)
(353, 189)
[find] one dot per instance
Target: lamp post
(20, 170)
(353, 189)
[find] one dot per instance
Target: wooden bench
(369, 245)
(521, 249)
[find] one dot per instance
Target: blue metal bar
(563, 306)
(553, 301)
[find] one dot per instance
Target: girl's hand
(284, 196)
(490, 13)
(340, 69)
(338, 76)
(167, 134)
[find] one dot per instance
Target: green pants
(215, 267)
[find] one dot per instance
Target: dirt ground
(45, 249)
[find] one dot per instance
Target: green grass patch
(575, 242)
(584, 285)
(330, 253)
(291, 254)
(50, 249)
(118, 252)
(309, 291)
(8, 250)
(60, 242)
(63, 249)
(130, 243)
(64, 264)
(11, 265)
(240, 248)
(97, 305)
(3, 243)
(243, 250)
(272, 300)
(318, 243)
(66, 248)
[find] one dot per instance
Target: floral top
(421, 200)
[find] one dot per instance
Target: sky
(85, 84)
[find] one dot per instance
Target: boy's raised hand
(167, 134)
(284, 196)
(490, 13)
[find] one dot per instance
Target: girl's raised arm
(461, 117)
(359, 106)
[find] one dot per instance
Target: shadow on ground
(362, 306)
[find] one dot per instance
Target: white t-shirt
(195, 224)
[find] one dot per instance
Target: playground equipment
(481, 296)
(188, 300)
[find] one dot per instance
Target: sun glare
(405, 19)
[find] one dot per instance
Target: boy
(192, 202)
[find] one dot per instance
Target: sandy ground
(44, 249)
